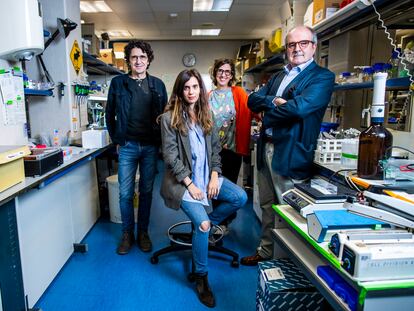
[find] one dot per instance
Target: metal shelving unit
(274, 63)
(32, 92)
(360, 13)
(392, 84)
(96, 66)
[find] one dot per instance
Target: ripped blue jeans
(231, 198)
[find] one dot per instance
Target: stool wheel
(154, 260)
(235, 263)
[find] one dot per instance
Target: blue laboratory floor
(102, 280)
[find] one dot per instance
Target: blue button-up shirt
(291, 73)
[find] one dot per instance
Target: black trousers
(231, 163)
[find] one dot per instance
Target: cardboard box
(308, 17)
(264, 52)
(11, 165)
(95, 46)
(283, 286)
(121, 64)
(95, 139)
(321, 7)
(107, 56)
(250, 61)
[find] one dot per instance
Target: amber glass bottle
(376, 140)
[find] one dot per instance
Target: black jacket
(117, 107)
(296, 123)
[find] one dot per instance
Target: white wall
(49, 113)
(168, 58)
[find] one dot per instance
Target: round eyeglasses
(302, 44)
(225, 72)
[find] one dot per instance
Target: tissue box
(95, 139)
(283, 286)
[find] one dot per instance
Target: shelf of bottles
(392, 84)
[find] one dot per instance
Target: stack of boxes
(282, 286)
(323, 9)
(88, 33)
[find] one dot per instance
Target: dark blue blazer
(296, 124)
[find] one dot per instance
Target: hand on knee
(205, 226)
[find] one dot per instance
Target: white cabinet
(50, 220)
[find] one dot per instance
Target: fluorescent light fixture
(94, 7)
(211, 5)
(205, 32)
(202, 5)
(115, 33)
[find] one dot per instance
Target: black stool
(180, 241)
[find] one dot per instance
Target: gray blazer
(176, 151)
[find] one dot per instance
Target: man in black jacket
(294, 102)
(135, 100)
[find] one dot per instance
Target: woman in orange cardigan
(232, 119)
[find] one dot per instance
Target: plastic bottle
(376, 140)
(395, 64)
(55, 138)
(367, 74)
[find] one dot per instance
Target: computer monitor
(244, 51)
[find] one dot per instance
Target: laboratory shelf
(360, 13)
(96, 66)
(392, 84)
(271, 64)
(32, 92)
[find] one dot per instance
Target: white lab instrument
(383, 261)
(368, 236)
(385, 208)
(22, 29)
(315, 195)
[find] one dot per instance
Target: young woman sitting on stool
(190, 146)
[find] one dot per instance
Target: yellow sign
(76, 57)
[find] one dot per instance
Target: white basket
(327, 157)
(329, 145)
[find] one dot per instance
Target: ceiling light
(94, 7)
(205, 32)
(82, 21)
(211, 5)
(202, 5)
(115, 33)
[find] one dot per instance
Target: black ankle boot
(203, 289)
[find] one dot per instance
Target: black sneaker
(126, 243)
(144, 242)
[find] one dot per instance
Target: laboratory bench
(293, 241)
(42, 219)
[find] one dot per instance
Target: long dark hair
(179, 108)
(217, 64)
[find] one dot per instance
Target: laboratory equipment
(376, 140)
(22, 29)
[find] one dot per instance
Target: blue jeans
(132, 155)
(231, 198)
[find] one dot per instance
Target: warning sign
(76, 57)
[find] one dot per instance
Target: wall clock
(189, 60)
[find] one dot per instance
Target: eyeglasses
(302, 44)
(225, 72)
